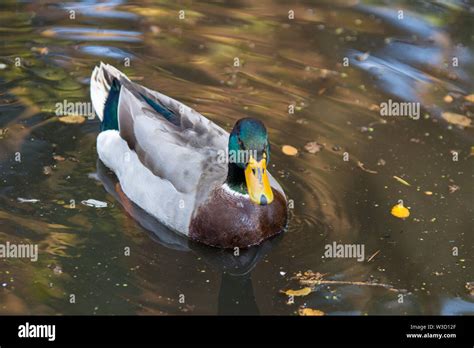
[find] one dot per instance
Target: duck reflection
(236, 294)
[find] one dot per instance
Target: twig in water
(313, 279)
(373, 255)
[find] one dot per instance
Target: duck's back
(167, 157)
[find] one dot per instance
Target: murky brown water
(283, 62)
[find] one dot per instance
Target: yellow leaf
(448, 99)
(400, 211)
(400, 180)
(72, 119)
(289, 150)
(470, 98)
(310, 311)
(300, 292)
(456, 119)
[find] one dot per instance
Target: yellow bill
(258, 184)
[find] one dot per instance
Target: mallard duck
(183, 169)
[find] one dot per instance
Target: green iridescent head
(249, 155)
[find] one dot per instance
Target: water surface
(282, 62)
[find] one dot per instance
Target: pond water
(318, 77)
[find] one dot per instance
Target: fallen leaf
(374, 107)
(469, 98)
(40, 50)
(361, 166)
(27, 200)
(453, 188)
(313, 147)
(310, 311)
(3, 132)
(470, 288)
(289, 150)
(400, 211)
(59, 158)
(457, 119)
(72, 119)
(448, 99)
(362, 57)
(155, 29)
(400, 180)
(301, 292)
(95, 203)
(428, 193)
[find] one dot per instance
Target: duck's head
(249, 155)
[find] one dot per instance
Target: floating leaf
(59, 158)
(72, 119)
(313, 147)
(448, 99)
(428, 193)
(469, 98)
(95, 203)
(310, 311)
(362, 57)
(453, 188)
(470, 288)
(361, 166)
(457, 119)
(27, 200)
(374, 107)
(400, 180)
(301, 292)
(400, 211)
(289, 150)
(40, 50)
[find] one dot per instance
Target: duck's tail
(105, 89)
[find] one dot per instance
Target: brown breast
(229, 221)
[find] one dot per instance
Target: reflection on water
(48, 52)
